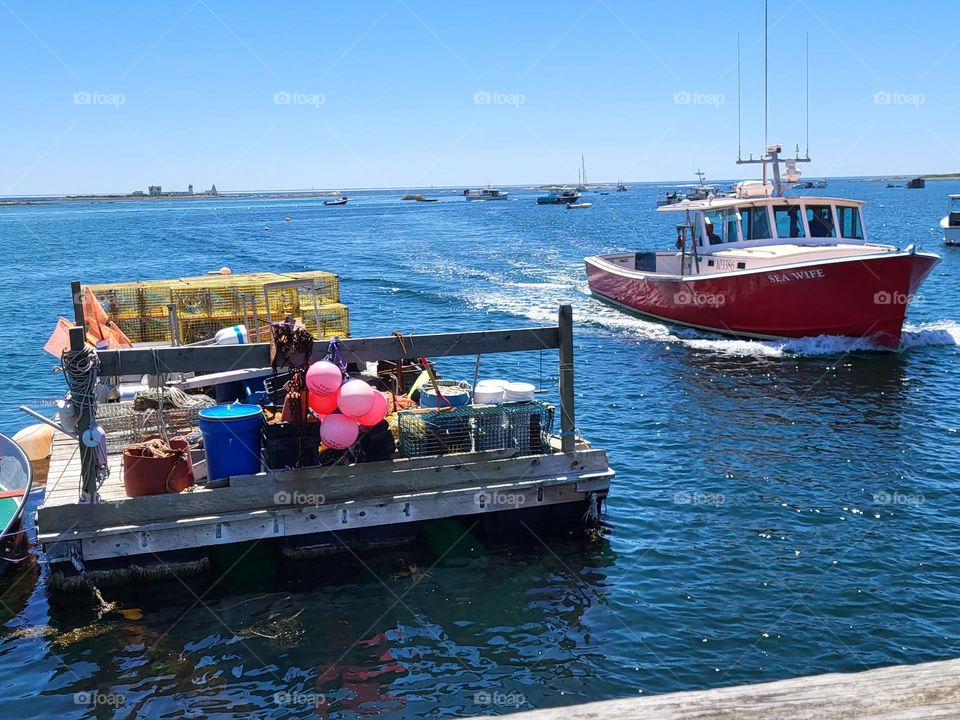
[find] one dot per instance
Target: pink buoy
(339, 432)
(323, 378)
(377, 412)
(355, 398)
(322, 404)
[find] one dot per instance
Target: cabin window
(788, 221)
(850, 224)
(820, 220)
(755, 223)
(720, 227)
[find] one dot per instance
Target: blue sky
(111, 97)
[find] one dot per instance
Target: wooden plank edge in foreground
(904, 692)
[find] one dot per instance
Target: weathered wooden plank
(221, 358)
(218, 378)
(323, 485)
(908, 692)
(291, 521)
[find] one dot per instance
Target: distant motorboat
(576, 206)
(487, 193)
(421, 198)
(338, 201)
(950, 223)
(411, 197)
(559, 196)
(916, 183)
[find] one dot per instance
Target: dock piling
(568, 440)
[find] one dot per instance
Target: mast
(766, 142)
(771, 153)
(583, 171)
(739, 123)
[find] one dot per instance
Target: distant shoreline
(294, 194)
(160, 198)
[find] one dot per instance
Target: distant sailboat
(582, 175)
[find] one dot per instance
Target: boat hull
(863, 297)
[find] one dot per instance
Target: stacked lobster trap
(192, 309)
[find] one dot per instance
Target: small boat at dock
(16, 479)
(338, 201)
(950, 223)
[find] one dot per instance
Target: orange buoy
(225, 270)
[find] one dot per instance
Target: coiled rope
(81, 369)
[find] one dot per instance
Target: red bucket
(144, 473)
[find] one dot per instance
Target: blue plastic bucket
(231, 439)
(455, 394)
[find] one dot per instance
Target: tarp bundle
(102, 332)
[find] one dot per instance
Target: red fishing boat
(758, 264)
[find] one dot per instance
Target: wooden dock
(929, 691)
(319, 509)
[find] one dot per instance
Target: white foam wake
(939, 332)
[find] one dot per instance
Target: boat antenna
(739, 121)
(808, 94)
(766, 8)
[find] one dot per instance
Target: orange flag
(60, 339)
(93, 310)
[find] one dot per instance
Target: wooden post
(174, 322)
(568, 441)
(78, 318)
(88, 455)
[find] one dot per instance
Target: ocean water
(780, 508)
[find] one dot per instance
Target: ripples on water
(780, 508)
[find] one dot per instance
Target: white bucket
(487, 394)
(519, 392)
(236, 335)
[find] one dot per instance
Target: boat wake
(940, 332)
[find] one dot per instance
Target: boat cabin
(721, 224)
(732, 234)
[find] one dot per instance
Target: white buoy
(36, 441)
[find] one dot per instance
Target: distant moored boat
(485, 194)
(950, 223)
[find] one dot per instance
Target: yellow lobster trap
(193, 309)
